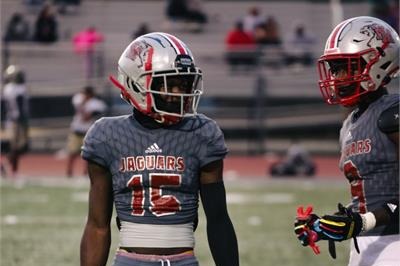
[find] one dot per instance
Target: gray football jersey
(369, 160)
(155, 172)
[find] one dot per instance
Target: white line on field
(11, 219)
(269, 198)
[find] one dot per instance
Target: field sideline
(42, 221)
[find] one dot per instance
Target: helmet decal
(375, 31)
(138, 51)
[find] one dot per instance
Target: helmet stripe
(337, 31)
(177, 44)
(149, 66)
(334, 37)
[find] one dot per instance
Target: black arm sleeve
(388, 215)
(388, 121)
(220, 232)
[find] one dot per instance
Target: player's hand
(303, 229)
(340, 226)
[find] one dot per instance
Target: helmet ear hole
(386, 65)
(131, 85)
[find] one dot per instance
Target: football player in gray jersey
(361, 57)
(153, 164)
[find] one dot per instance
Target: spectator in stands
(196, 11)
(298, 46)
(237, 37)
(185, 10)
(85, 42)
(17, 29)
(252, 19)
(188, 11)
(15, 96)
(88, 108)
(240, 46)
(141, 30)
(46, 26)
(272, 32)
(260, 34)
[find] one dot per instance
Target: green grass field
(42, 222)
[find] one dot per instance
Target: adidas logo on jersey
(392, 207)
(349, 136)
(153, 149)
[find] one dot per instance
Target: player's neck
(367, 99)
(146, 121)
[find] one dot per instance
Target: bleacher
(291, 106)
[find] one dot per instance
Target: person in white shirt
(15, 98)
(88, 109)
(299, 45)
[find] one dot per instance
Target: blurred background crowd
(258, 59)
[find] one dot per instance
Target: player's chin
(346, 91)
(170, 107)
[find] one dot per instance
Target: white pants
(376, 251)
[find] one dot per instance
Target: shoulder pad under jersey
(388, 121)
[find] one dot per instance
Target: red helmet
(361, 55)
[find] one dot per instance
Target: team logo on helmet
(139, 52)
(378, 32)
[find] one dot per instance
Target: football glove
(304, 229)
(340, 226)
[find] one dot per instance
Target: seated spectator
(187, 11)
(237, 37)
(196, 11)
(271, 31)
(252, 19)
(298, 46)
(17, 29)
(46, 27)
(141, 30)
(260, 34)
(241, 48)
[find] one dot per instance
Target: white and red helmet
(153, 59)
(368, 50)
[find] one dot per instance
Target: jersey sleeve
(95, 146)
(215, 144)
(388, 121)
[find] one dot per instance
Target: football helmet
(361, 55)
(157, 75)
(14, 73)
